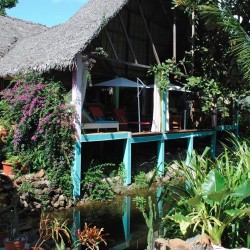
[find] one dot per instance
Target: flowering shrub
(44, 129)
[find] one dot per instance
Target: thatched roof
(13, 30)
(57, 47)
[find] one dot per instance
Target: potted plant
(14, 240)
(11, 162)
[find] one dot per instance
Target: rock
(57, 191)
(40, 174)
(56, 204)
(172, 244)
(200, 242)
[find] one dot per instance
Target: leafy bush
(141, 181)
(211, 195)
(94, 184)
(44, 131)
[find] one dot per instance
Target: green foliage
(94, 184)
(222, 15)
(209, 88)
(163, 72)
(6, 4)
(44, 131)
(211, 195)
(141, 181)
(141, 204)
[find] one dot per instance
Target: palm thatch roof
(14, 30)
(57, 47)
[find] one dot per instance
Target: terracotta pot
(8, 168)
(15, 245)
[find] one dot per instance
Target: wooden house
(119, 38)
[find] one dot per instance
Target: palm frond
(239, 39)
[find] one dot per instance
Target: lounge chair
(89, 123)
(123, 120)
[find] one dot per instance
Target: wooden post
(174, 35)
(79, 83)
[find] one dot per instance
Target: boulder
(172, 244)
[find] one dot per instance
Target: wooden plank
(105, 136)
(146, 138)
(226, 127)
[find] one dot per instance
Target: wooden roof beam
(138, 65)
(149, 35)
(127, 37)
(110, 43)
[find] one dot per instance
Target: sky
(47, 12)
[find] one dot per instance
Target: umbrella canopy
(172, 87)
(120, 82)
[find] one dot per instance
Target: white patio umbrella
(120, 82)
(123, 82)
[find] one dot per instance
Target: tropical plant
(141, 204)
(140, 180)
(44, 135)
(56, 229)
(164, 71)
(91, 237)
(210, 195)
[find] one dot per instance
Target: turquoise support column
(76, 225)
(127, 161)
(160, 156)
(126, 219)
(79, 83)
(190, 148)
(159, 197)
(213, 143)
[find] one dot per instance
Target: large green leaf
(243, 190)
(194, 201)
(214, 183)
(182, 220)
(233, 212)
(218, 196)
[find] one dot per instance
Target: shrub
(94, 184)
(44, 131)
(211, 195)
(141, 181)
